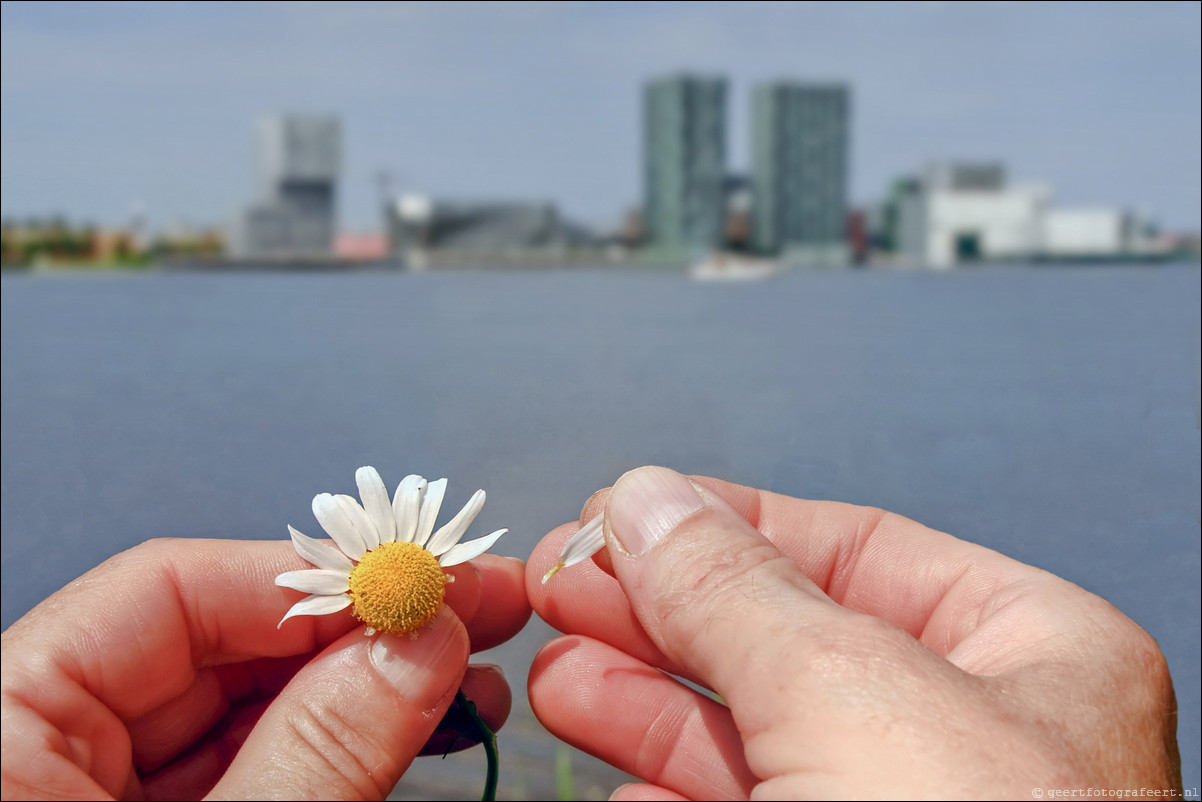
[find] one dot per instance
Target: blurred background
(940, 258)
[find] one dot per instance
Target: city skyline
(122, 108)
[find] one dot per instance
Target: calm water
(1052, 414)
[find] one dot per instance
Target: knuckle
(725, 597)
(727, 580)
(1143, 661)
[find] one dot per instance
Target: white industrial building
(955, 214)
(1088, 233)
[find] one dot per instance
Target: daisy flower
(587, 541)
(385, 558)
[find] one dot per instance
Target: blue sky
(109, 106)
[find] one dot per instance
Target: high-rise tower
(299, 157)
(684, 158)
(799, 168)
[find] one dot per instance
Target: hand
(859, 654)
(161, 674)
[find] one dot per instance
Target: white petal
(326, 583)
(430, 507)
(452, 531)
(589, 540)
(462, 552)
(359, 519)
(323, 554)
(407, 506)
(317, 605)
(336, 521)
(376, 503)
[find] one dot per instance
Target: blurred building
(424, 232)
(901, 222)
(1089, 233)
(684, 164)
(299, 158)
(964, 212)
(974, 214)
(800, 136)
(961, 213)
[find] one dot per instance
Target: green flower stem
(489, 740)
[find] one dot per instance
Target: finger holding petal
(407, 506)
(588, 601)
(452, 531)
(587, 541)
(376, 503)
(431, 504)
(463, 552)
(334, 519)
(321, 554)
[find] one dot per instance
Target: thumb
(349, 724)
(718, 598)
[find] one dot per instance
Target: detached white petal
(407, 506)
(317, 605)
(376, 503)
(334, 519)
(452, 531)
(323, 554)
(317, 580)
(463, 552)
(589, 540)
(431, 504)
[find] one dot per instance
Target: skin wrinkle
(207, 758)
(234, 683)
(57, 755)
(944, 645)
(597, 706)
(846, 559)
(657, 745)
(201, 639)
(695, 762)
(76, 747)
(154, 736)
(169, 579)
(713, 582)
(309, 723)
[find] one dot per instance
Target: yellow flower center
(397, 587)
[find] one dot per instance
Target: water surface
(1048, 413)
